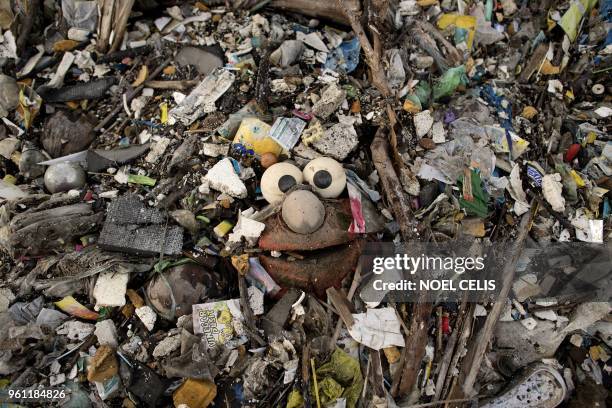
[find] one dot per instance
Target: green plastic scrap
(295, 400)
(449, 81)
(477, 206)
(423, 93)
(144, 180)
(340, 378)
(572, 17)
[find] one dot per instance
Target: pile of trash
(187, 188)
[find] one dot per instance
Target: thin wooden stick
(106, 21)
(122, 16)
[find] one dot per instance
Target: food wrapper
(219, 322)
(71, 306)
(254, 134)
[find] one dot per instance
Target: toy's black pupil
(286, 182)
(322, 179)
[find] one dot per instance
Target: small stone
(28, 164)
(110, 289)
(63, 177)
(167, 346)
(423, 121)
(103, 365)
(331, 99)
(147, 316)
(427, 143)
(8, 146)
(268, 159)
(338, 141)
(186, 219)
(222, 177)
(106, 333)
(157, 150)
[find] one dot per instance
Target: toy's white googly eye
(326, 176)
(278, 179)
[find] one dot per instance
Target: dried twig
(378, 75)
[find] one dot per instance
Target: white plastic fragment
(377, 328)
(222, 177)
(110, 289)
(552, 190)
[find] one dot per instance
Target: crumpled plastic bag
(339, 378)
(81, 14)
(449, 82)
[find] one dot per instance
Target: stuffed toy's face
(302, 209)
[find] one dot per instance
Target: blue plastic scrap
(504, 110)
(345, 58)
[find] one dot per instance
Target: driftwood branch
(392, 186)
(319, 9)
